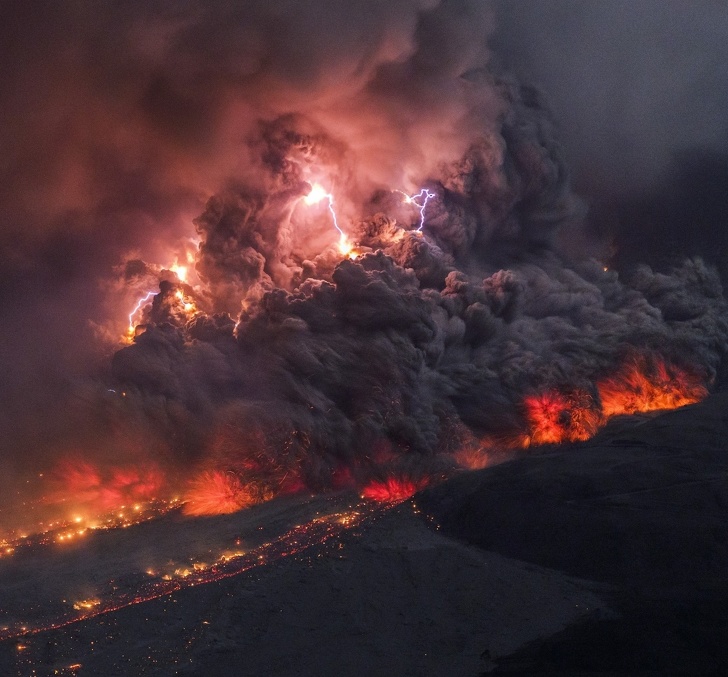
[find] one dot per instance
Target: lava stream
(230, 562)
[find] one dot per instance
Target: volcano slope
(643, 508)
(606, 557)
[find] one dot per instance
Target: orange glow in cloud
(215, 492)
(393, 489)
(645, 384)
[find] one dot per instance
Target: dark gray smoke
(419, 339)
(291, 360)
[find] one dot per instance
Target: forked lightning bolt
(138, 307)
(424, 196)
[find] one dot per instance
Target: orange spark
(554, 417)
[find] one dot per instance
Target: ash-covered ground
(606, 557)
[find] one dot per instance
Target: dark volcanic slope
(643, 507)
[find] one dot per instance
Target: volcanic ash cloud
(368, 332)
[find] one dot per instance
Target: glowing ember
(219, 493)
(86, 604)
(555, 417)
(649, 384)
(393, 489)
(295, 541)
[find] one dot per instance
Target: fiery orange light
(393, 489)
(180, 272)
(472, 458)
(555, 417)
(215, 492)
(293, 542)
(643, 384)
(649, 384)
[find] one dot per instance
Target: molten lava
(556, 416)
(649, 384)
(644, 383)
(393, 489)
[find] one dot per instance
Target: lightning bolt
(138, 307)
(425, 196)
(318, 193)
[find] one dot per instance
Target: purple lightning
(137, 308)
(425, 195)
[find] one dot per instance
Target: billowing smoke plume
(284, 359)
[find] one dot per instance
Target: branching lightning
(138, 307)
(425, 196)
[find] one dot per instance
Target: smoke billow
(283, 358)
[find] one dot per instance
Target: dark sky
(640, 91)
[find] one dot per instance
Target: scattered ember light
(297, 540)
(62, 533)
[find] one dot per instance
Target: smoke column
(186, 136)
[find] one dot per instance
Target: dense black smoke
(422, 337)
(282, 357)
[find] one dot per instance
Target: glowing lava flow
(315, 195)
(643, 384)
(425, 195)
(67, 531)
(316, 532)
